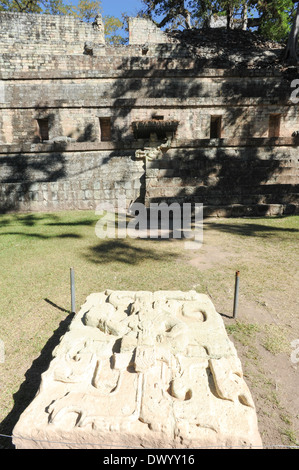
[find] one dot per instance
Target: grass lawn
(37, 251)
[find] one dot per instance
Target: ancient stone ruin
(77, 114)
(142, 370)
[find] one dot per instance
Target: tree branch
(290, 55)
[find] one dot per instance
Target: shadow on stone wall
(23, 173)
(221, 177)
(20, 171)
(226, 176)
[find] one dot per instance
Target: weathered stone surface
(142, 369)
(57, 69)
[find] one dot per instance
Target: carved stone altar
(142, 369)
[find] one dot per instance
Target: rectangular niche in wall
(157, 117)
(215, 127)
(105, 129)
(43, 129)
(274, 125)
(157, 126)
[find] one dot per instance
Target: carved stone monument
(142, 369)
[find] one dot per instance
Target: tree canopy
(35, 6)
(272, 19)
(276, 19)
(291, 56)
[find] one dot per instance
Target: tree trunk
(229, 17)
(187, 17)
(290, 55)
(179, 9)
(244, 17)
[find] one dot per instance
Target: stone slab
(142, 370)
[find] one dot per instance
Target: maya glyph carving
(152, 369)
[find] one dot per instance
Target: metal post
(73, 298)
(236, 294)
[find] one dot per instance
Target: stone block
(142, 370)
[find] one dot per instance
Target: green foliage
(173, 12)
(87, 10)
(53, 7)
(166, 12)
(276, 18)
(113, 27)
(273, 19)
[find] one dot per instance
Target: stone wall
(45, 74)
(111, 88)
(144, 31)
(55, 178)
(53, 34)
(232, 177)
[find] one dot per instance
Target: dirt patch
(266, 322)
(265, 251)
(209, 256)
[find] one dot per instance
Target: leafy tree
(87, 10)
(168, 12)
(291, 56)
(190, 13)
(113, 26)
(272, 18)
(35, 6)
(275, 18)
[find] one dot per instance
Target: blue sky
(116, 7)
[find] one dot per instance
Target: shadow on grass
(251, 229)
(121, 251)
(27, 391)
(40, 222)
(87, 222)
(56, 306)
(27, 220)
(44, 219)
(41, 236)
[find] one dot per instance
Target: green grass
(243, 332)
(291, 436)
(276, 340)
(37, 251)
(274, 337)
